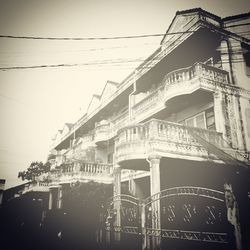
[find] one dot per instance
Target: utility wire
(103, 38)
(91, 38)
(114, 63)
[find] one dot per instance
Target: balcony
(102, 132)
(82, 171)
(179, 82)
(165, 139)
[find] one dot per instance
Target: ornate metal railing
(187, 191)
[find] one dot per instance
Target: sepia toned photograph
(124, 125)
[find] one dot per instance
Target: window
(204, 120)
(210, 119)
(246, 55)
(197, 121)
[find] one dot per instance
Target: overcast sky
(35, 103)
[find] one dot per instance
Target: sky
(35, 103)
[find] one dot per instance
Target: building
(174, 140)
(2, 185)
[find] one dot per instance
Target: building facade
(173, 139)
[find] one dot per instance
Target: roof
(200, 10)
(205, 19)
(230, 18)
(69, 125)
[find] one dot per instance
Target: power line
(110, 63)
(104, 38)
(91, 38)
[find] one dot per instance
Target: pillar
(219, 113)
(60, 196)
(53, 197)
(238, 122)
(245, 113)
(2, 185)
(233, 213)
(117, 204)
(226, 58)
(239, 74)
(155, 187)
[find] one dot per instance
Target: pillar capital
(154, 159)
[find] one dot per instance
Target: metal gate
(174, 219)
(123, 222)
(190, 218)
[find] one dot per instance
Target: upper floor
(198, 77)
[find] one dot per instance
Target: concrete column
(240, 77)
(245, 113)
(60, 196)
(239, 132)
(2, 185)
(117, 204)
(64, 187)
(53, 197)
(233, 213)
(226, 58)
(219, 113)
(50, 199)
(155, 187)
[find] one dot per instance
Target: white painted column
(245, 113)
(239, 132)
(219, 113)
(240, 77)
(226, 58)
(233, 214)
(155, 188)
(60, 196)
(117, 203)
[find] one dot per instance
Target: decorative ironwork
(130, 230)
(187, 213)
(153, 232)
(194, 235)
(129, 213)
(187, 191)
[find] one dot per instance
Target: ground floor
(176, 205)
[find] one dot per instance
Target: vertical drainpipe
(130, 96)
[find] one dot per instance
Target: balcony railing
(102, 132)
(119, 121)
(82, 171)
(95, 168)
(190, 76)
(164, 138)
